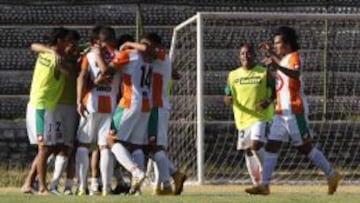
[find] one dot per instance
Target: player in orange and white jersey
(95, 105)
(291, 111)
(159, 119)
(131, 117)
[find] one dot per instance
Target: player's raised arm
(80, 87)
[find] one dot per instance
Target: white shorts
(66, 120)
(131, 125)
(256, 131)
(158, 127)
(94, 129)
(293, 126)
(40, 125)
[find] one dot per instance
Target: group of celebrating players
(119, 89)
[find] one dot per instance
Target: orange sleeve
(295, 61)
(84, 63)
(121, 59)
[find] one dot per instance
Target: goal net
(202, 131)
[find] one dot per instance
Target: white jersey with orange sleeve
(102, 98)
(136, 80)
(131, 117)
(160, 82)
(290, 94)
(160, 113)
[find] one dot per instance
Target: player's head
(122, 39)
(62, 38)
(147, 55)
(246, 55)
(73, 48)
(285, 40)
(154, 38)
(103, 36)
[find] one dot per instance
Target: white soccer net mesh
(330, 48)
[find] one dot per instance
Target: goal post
(204, 49)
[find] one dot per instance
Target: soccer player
(46, 89)
(159, 119)
(96, 102)
(66, 119)
(251, 91)
(158, 123)
(65, 115)
(131, 117)
(291, 111)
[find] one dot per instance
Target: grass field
(204, 194)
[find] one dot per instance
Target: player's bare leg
(26, 187)
(43, 154)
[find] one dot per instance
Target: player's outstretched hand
(264, 47)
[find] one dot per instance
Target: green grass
(204, 194)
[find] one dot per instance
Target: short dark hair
(124, 38)
(107, 31)
(56, 34)
(153, 38)
(248, 45)
(74, 35)
(289, 36)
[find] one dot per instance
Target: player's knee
(305, 148)
(256, 145)
(132, 147)
(273, 146)
(248, 152)
(159, 155)
(156, 148)
(85, 145)
(64, 150)
(110, 140)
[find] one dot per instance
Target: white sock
(161, 161)
(318, 158)
(270, 161)
(106, 166)
(139, 158)
(68, 183)
(123, 156)
(82, 166)
(156, 175)
(94, 184)
(50, 159)
(60, 162)
(254, 168)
